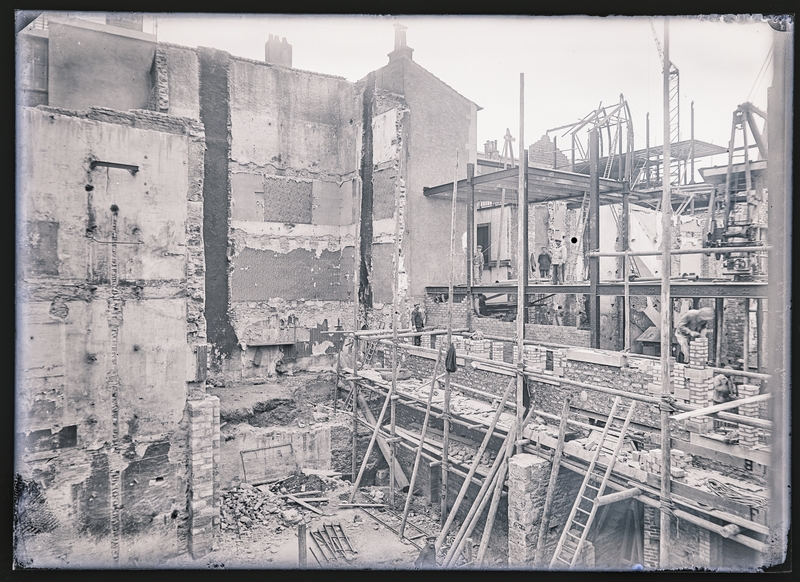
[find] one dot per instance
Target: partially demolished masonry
(218, 266)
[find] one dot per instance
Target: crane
(674, 105)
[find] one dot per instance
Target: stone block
(700, 426)
(681, 394)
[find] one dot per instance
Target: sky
(570, 63)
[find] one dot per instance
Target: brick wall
(527, 488)
(556, 334)
(436, 312)
(204, 501)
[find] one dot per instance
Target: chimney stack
(278, 52)
(401, 49)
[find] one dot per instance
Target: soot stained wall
(214, 113)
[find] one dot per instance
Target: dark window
(484, 238)
(548, 360)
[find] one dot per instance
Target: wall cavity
(365, 266)
(215, 113)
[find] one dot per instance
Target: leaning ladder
(586, 504)
(372, 346)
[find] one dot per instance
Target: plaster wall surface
(184, 81)
(100, 426)
(290, 119)
(439, 121)
(89, 67)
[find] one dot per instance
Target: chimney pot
(277, 51)
(401, 49)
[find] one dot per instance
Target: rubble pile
(249, 507)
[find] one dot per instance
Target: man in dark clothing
(418, 322)
(544, 263)
(427, 557)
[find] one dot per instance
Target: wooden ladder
(586, 504)
(373, 346)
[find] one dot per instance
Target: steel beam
(594, 238)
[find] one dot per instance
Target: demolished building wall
(111, 256)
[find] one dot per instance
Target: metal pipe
(666, 318)
(522, 246)
(471, 249)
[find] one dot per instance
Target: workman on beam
(692, 324)
(418, 321)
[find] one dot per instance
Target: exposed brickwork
(543, 154)
(436, 313)
(652, 533)
(527, 486)
(748, 435)
(203, 490)
(565, 335)
(159, 94)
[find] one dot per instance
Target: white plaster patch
(320, 348)
(384, 136)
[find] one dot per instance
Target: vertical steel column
(555, 152)
(719, 315)
(746, 337)
(626, 217)
(522, 253)
(572, 161)
(594, 237)
(666, 320)
(760, 336)
(692, 149)
(647, 149)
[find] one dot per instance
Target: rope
(735, 493)
(667, 507)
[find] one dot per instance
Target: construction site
(271, 318)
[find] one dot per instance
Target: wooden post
(302, 558)
(354, 388)
(487, 528)
(471, 250)
(476, 460)
(371, 443)
(421, 442)
(201, 361)
(446, 404)
(666, 320)
(551, 486)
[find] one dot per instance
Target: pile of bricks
(479, 348)
(651, 462)
(498, 349)
(748, 435)
(678, 461)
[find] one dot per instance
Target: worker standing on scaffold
(559, 258)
